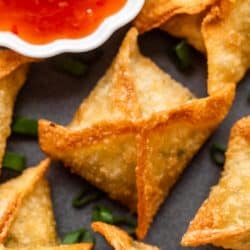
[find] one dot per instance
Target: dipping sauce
(43, 21)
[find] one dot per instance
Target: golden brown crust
(110, 149)
(242, 128)
(223, 219)
(157, 12)
(118, 238)
(34, 223)
(26, 213)
(226, 39)
(199, 118)
(13, 193)
(65, 139)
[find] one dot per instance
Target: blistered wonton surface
(157, 12)
(224, 218)
(13, 73)
(119, 239)
(145, 130)
(226, 31)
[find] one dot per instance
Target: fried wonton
(26, 214)
(136, 132)
(119, 239)
(157, 12)
(188, 27)
(13, 73)
(226, 31)
(223, 219)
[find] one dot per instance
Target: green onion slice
(101, 213)
(217, 153)
(25, 126)
(72, 237)
(14, 161)
(183, 53)
(85, 197)
(77, 236)
(70, 65)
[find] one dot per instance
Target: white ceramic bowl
(90, 42)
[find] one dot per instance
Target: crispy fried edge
(9, 216)
(213, 21)
(64, 139)
(115, 235)
(206, 236)
(145, 22)
(119, 65)
(204, 112)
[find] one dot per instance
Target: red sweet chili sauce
(42, 21)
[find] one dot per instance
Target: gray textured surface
(55, 96)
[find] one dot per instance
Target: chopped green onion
(25, 126)
(70, 65)
(183, 54)
(85, 198)
(101, 213)
(14, 161)
(72, 237)
(217, 153)
(81, 235)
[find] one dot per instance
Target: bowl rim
(87, 43)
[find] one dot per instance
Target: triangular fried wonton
(118, 238)
(223, 219)
(136, 132)
(157, 12)
(26, 214)
(13, 72)
(226, 32)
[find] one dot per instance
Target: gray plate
(55, 96)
